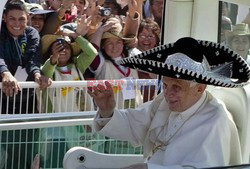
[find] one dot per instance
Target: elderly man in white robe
(184, 126)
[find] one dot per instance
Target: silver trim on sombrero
(183, 62)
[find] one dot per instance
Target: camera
(105, 11)
(60, 41)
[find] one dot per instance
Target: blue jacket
(23, 51)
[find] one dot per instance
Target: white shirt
(176, 120)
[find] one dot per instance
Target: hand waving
(83, 25)
(104, 98)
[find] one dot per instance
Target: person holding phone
(69, 57)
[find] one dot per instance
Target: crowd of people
(111, 30)
(70, 40)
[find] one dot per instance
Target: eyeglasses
(151, 37)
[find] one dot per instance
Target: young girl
(112, 43)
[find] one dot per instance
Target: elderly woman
(239, 40)
(148, 34)
(148, 38)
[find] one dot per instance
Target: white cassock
(202, 136)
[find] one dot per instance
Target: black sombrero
(197, 60)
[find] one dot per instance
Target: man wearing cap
(239, 40)
(184, 126)
(37, 16)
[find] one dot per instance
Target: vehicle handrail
(31, 121)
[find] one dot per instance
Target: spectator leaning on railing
(19, 61)
(19, 49)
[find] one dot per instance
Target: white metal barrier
(34, 126)
(71, 96)
(52, 135)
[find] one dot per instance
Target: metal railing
(37, 127)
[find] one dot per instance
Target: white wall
(195, 18)
(2, 4)
(205, 20)
(178, 19)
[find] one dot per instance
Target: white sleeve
(123, 123)
(100, 122)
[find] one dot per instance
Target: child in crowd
(112, 42)
(68, 61)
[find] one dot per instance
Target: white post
(2, 4)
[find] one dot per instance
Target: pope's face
(180, 95)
